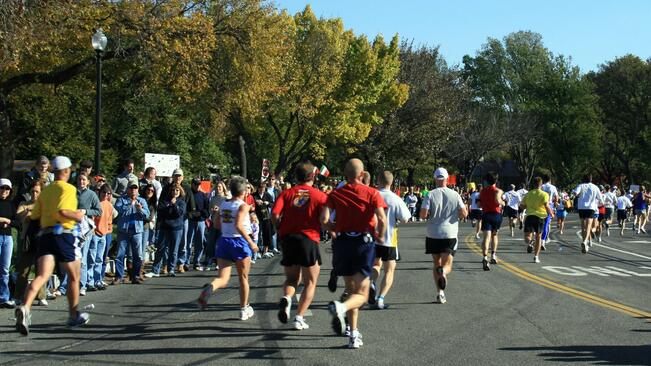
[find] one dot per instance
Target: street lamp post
(99, 45)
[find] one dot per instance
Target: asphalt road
(572, 308)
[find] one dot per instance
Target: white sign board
(164, 164)
(634, 188)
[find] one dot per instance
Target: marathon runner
(512, 200)
(353, 248)
(298, 215)
(588, 195)
(551, 190)
(442, 208)
(56, 208)
(610, 200)
(623, 205)
(235, 246)
(386, 253)
(491, 202)
(475, 209)
(522, 191)
(536, 202)
(561, 210)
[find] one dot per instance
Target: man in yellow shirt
(536, 202)
(57, 211)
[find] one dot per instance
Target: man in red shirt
(298, 215)
(356, 206)
(491, 202)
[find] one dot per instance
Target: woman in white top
(235, 246)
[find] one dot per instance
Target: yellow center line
(637, 313)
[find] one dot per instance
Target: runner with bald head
(353, 247)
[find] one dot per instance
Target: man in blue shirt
(132, 211)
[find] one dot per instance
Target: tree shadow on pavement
(602, 355)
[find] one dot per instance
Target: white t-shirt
(512, 199)
(228, 213)
(623, 203)
(589, 196)
(443, 205)
(609, 199)
(551, 191)
(474, 197)
(396, 211)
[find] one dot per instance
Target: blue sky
(591, 32)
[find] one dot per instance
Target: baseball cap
(132, 183)
(440, 173)
(4, 182)
(61, 162)
(196, 181)
(177, 171)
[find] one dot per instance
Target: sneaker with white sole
(338, 311)
(41, 302)
(151, 274)
(536, 259)
(80, 319)
(205, 294)
(23, 320)
(300, 324)
(380, 303)
(284, 307)
(355, 340)
(246, 313)
(440, 299)
(372, 291)
(82, 292)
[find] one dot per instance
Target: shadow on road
(603, 355)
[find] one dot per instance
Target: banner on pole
(264, 174)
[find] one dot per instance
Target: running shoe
(440, 299)
(530, 248)
(608, 231)
(151, 274)
(171, 274)
(493, 259)
(542, 247)
(442, 281)
(536, 259)
(246, 313)
(355, 340)
(599, 239)
(206, 293)
(372, 291)
(332, 282)
(477, 236)
(484, 263)
(275, 251)
(284, 307)
(9, 304)
(338, 311)
(584, 247)
(300, 324)
(82, 292)
(644, 231)
(23, 320)
(380, 304)
(80, 319)
(42, 302)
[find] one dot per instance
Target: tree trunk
(7, 140)
(242, 155)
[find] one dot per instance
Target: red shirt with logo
(487, 200)
(300, 207)
(355, 206)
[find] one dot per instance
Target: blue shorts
(491, 221)
(233, 249)
(64, 247)
(353, 254)
(561, 214)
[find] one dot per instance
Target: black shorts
(353, 254)
(622, 215)
(510, 212)
(299, 250)
(64, 247)
(586, 214)
(491, 221)
(609, 213)
(438, 246)
(534, 224)
(386, 253)
(475, 215)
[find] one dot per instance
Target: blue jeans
(145, 239)
(109, 241)
(6, 249)
(185, 248)
(274, 241)
(197, 238)
(128, 241)
(96, 260)
(167, 249)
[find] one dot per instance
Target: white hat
(440, 174)
(61, 162)
(5, 182)
(177, 171)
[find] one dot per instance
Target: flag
(324, 171)
(315, 171)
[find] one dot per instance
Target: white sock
(354, 333)
(298, 318)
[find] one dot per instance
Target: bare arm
(424, 213)
(239, 225)
(76, 215)
(381, 227)
(463, 212)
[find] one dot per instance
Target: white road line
(578, 234)
(638, 242)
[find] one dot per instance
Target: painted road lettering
(607, 271)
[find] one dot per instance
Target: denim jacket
(130, 219)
